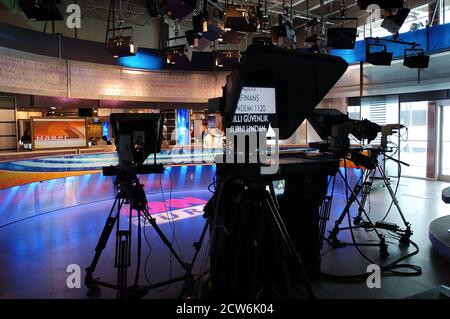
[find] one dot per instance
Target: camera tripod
(362, 220)
(252, 249)
(405, 234)
(131, 191)
(354, 193)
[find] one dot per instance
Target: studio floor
(35, 252)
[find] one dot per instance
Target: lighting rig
(414, 57)
(182, 53)
(342, 37)
(43, 10)
(226, 58)
(119, 39)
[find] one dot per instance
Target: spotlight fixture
(214, 32)
(122, 46)
(231, 37)
(226, 59)
(197, 21)
(240, 18)
(178, 9)
(383, 4)
(283, 34)
(177, 55)
(200, 23)
(378, 57)
(394, 19)
(191, 38)
(42, 10)
(416, 61)
(342, 38)
(205, 24)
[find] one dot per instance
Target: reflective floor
(35, 252)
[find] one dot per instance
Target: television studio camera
(262, 245)
(334, 128)
(137, 136)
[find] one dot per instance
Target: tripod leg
(163, 237)
(122, 261)
(198, 244)
(324, 216)
(281, 227)
(365, 191)
(354, 196)
(106, 233)
(345, 211)
(406, 235)
(274, 195)
(283, 253)
(189, 282)
(139, 248)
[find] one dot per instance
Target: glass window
(414, 150)
(354, 112)
(445, 12)
(445, 159)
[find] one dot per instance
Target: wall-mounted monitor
(58, 133)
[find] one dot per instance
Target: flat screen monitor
(137, 136)
(58, 133)
(301, 80)
(255, 110)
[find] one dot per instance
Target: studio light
(178, 9)
(226, 59)
(341, 38)
(417, 60)
(177, 55)
(232, 37)
(122, 46)
(200, 23)
(283, 34)
(240, 18)
(205, 24)
(42, 10)
(378, 57)
(394, 19)
(191, 38)
(197, 21)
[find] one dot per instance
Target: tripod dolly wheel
(383, 248)
(357, 220)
